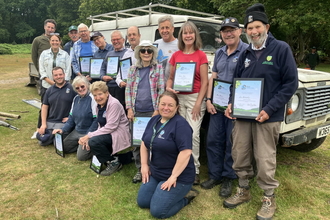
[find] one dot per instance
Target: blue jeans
(162, 203)
(219, 145)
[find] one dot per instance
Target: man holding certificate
(272, 61)
(219, 159)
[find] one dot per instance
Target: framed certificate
(95, 67)
(155, 45)
(220, 94)
(84, 63)
(124, 65)
(112, 66)
(139, 125)
(184, 76)
(59, 144)
(247, 97)
(95, 165)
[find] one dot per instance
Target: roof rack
(147, 10)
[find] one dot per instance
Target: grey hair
(80, 79)
(166, 18)
(82, 25)
(153, 61)
(117, 32)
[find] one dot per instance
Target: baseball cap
(44, 137)
(96, 34)
(73, 28)
(229, 22)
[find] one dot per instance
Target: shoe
(210, 183)
(112, 167)
(242, 195)
(34, 136)
(267, 209)
(197, 180)
(137, 178)
(226, 188)
(191, 194)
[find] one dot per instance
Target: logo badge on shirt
(268, 62)
(67, 90)
(247, 62)
(235, 59)
(162, 132)
(104, 114)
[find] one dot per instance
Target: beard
(258, 43)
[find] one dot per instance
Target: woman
(145, 82)
(82, 119)
(112, 134)
(167, 166)
(192, 106)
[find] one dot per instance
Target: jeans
(162, 203)
(219, 145)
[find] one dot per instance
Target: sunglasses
(56, 34)
(80, 87)
(149, 51)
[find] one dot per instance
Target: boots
(267, 209)
(242, 195)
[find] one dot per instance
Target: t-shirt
(199, 57)
(143, 101)
(86, 49)
(174, 137)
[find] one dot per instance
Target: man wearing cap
(219, 145)
(84, 47)
(73, 34)
(117, 41)
(312, 59)
(56, 105)
(273, 61)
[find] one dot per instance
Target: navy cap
(230, 22)
(96, 34)
(44, 137)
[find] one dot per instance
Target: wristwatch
(208, 99)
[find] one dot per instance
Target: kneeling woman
(112, 134)
(167, 167)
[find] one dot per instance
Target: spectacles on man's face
(80, 87)
(83, 31)
(149, 51)
(230, 31)
(56, 34)
(114, 40)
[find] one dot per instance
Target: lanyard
(155, 134)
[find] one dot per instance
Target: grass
(36, 183)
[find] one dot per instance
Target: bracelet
(206, 99)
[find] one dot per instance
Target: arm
(204, 81)
(129, 93)
(103, 71)
(169, 83)
(43, 70)
(67, 69)
(34, 54)
(144, 163)
(75, 59)
(44, 114)
(209, 105)
(160, 83)
(94, 124)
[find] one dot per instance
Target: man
(41, 42)
(219, 145)
(73, 34)
(312, 59)
(84, 47)
(119, 50)
(273, 61)
(56, 105)
(168, 44)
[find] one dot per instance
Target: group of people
(95, 115)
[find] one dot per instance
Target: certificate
(155, 45)
(95, 165)
(59, 144)
(112, 66)
(95, 67)
(84, 63)
(247, 97)
(125, 64)
(184, 76)
(139, 125)
(220, 94)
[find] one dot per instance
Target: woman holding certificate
(112, 134)
(193, 83)
(145, 82)
(168, 170)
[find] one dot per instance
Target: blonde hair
(99, 86)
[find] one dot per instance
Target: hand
(122, 84)
(89, 78)
(196, 112)
(145, 171)
(42, 129)
(210, 108)
(171, 90)
(169, 183)
(107, 78)
(262, 117)
(130, 114)
(65, 119)
(79, 74)
(57, 131)
(228, 112)
(83, 141)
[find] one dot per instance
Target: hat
(96, 34)
(73, 28)
(44, 137)
(314, 47)
(229, 22)
(145, 43)
(255, 12)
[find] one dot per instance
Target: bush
(15, 48)
(4, 49)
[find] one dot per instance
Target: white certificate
(139, 125)
(112, 66)
(95, 165)
(220, 94)
(84, 65)
(184, 76)
(125, 64)
(95, 67)
(59, 144)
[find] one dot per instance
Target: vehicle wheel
(313, 144)
(38, 85)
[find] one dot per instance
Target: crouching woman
(112, 134)
(167, 167)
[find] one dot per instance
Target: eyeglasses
(149, 51)
(56, 34)
(114, 40)
(83, 31)
(80, 87)
(230, 31)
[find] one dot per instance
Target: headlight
(294, 102)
